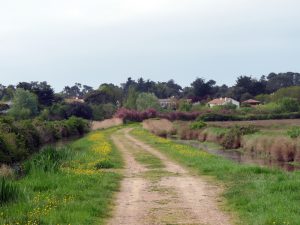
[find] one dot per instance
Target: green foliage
(42, 90)
(289, 92)
(197, 125)
(294, 132)
(185, 106)
(103, 111)
(78, 109)
(232, 137)
(21, 138)
(264, 98)
(8, 191)
(130, 102)
(146, 101)
(289, 104)
(25, 105)
(48, 160)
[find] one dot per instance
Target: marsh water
(239, 156)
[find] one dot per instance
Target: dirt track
(168, 194)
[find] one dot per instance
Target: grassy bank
(260, 196)
(66, 186)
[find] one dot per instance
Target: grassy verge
(260, 196)
(68, 185)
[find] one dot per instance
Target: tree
(247, 87)
(130, 102)
(113, 91)
(25, 105)
(289, 104)
(281, 80)
(76, 91)
(292, 92)
(203, 89)
(146, 101)
(99, 97)
(104, 111)
(129, 84)
(44, 91)
(79, 110)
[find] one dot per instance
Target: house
(251, 102)
(168, 103)
(74, 100)
(223, 101)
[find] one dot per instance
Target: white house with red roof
(223, 101)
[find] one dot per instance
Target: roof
(219, 101)
(251, 101)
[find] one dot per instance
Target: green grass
(71, 191)
(259, 196)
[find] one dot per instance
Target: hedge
(19, 139)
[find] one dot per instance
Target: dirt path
(156, 190)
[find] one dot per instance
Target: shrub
(103, 111)
(25, 105)
(294, 132)
(79, 110)
(135, 116)
(197, 125)
(185, 106)
(19, 139)
(8, 191)
(146, 101)
(289, 104)
(232, 138)
(215, 117)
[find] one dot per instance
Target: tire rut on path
(175, 197)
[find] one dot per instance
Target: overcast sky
(97, 41)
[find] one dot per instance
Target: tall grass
(8, 191)
(48, 160)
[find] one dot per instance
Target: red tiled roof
(217, 101)
(251, 101)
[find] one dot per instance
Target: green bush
(8, 191)
(294, 132)
(103, 111)
(19, 139)
(289, 104)
(215, 117)
(197, 125)
(232, 138)
(185, 106)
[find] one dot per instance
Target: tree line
(38, 98)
